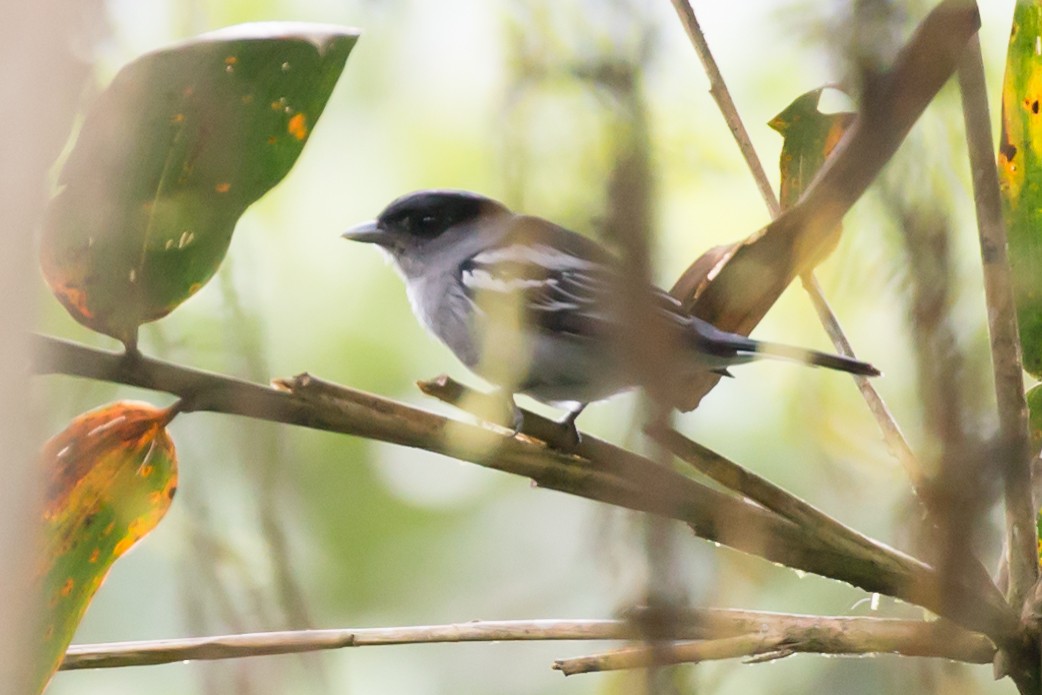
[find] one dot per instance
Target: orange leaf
(110, 477)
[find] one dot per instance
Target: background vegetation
(282, 528)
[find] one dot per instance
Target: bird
(532, 307)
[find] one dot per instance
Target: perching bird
(528, 305)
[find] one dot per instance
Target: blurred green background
(278, 528)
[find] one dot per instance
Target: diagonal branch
(816, 526)
(894, 438)
(762, 491)
(808, 517)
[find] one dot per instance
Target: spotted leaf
(110, 477)
(1020, 174)
(169, 157)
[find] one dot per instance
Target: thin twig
(722, 96)
(892, 435)
(1021, 537)
(894, 438)
(147, 653)
(868, 634)
(838, 636)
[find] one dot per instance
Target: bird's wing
(553, 291)
(562, 282)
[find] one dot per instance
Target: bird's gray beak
(368, 232)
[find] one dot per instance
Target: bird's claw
(569, 438)
(517, 418)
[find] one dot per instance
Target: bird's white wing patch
(485, 279)
(536, 255)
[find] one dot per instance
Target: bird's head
(415, 226)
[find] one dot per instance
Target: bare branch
(820, 635)
(764, 492)
(815, 526)
(895, 440)
(119, 654)
(859, 634)
(1021, 536)
(722, 96)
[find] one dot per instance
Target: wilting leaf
(169, 157)
(1020, 175)
(741, 290)
(809, 136)
(110, 476)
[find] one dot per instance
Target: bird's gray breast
(443, 308)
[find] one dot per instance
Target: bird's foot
(516, 416)
(569, 438)
(507, 414)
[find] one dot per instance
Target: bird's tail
(720, 349)
(820, 359)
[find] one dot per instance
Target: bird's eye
(428, 224)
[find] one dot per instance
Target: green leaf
(1020, 175)
(808, 137)
(111, 475)
(168, 159)
(1038, 533)
(1034, 399)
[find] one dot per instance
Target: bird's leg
(515, 418)
(567, 423)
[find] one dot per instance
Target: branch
(762, 491)
(722, 96)
(816, 634)
(1021, 537)
(894, 438)
(812, 520)
(816, 527)
(148, 653)
(597, 471)
(869, 634)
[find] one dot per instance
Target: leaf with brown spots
(170, 156)
(1020, 175)
(110, 476)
